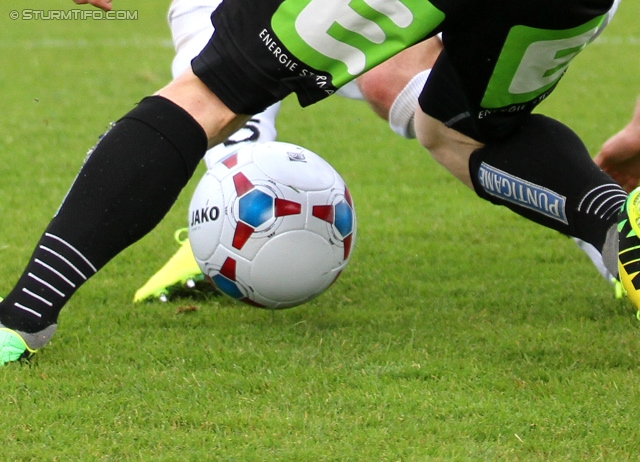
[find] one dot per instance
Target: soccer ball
(272, 224)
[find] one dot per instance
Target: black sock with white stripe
(55, 272)
(124, 189)
(544, 172)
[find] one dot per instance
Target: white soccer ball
(272, 224)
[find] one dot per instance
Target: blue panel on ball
(344, 218)
(256, 208)
(227, 286)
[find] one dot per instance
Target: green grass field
(459, 331)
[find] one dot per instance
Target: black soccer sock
(126, 186)
(544, 173)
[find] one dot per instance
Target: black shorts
(501, 57)
(261, 51)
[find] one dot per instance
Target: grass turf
(459, 331)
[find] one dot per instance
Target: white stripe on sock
(53, 270)
(38, 297)
(28, 310)
(60, 257)
(45, 283)
(86, 260)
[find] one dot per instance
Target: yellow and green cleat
(629, 247)
(179, 277)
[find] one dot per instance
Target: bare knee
(217, 120)
(381, 85)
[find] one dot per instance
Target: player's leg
(126, 186)
(522, 165)
(525, 173)
(191, 29)
(392, 88)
